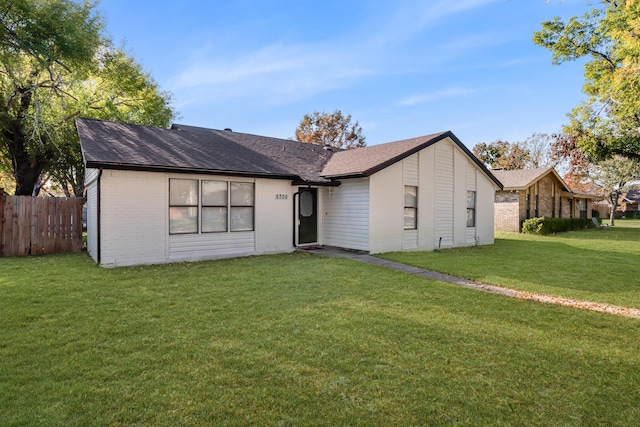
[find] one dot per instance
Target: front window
(183, 206)
(214, 206)
(471, 208)
(210, 206)
(242, 197)
(410, 207)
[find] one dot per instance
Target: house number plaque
(282, 196)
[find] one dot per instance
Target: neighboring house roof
(632, 196)
(366, 161)
(192, 149)
(520, 179)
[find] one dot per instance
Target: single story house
(629, 204)
(187, 193)
(539, 192)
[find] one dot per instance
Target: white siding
(191, 247)
(444, 194)
(91, 176)
(410, 170)
(485, 195)
(345, 215)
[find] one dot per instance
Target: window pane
(183, 220)
(471, 217)
(214, 220)
(241, 194)
(183, 192)
(410, 222)
(214, 193)
(471, 199)
(306, 204)
(410, 196)
(241, 219)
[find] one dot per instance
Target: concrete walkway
(513, 293)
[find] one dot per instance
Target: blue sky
(401, 68)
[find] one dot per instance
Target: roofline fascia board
(299, 182)
(167, 169)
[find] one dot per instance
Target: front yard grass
(594, 265)
(298, 340)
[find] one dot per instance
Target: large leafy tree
(613, 177)
(607, 122)
(502, 155)
(56, 64)
(333, 129)
(118, 90)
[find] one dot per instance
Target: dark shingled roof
(193, 149)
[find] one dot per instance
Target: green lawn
(298, 340)
(595, 265)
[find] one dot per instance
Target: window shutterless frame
(471, 208)
(183, 206)
(241, 203)
(215, 211)
(410, 207)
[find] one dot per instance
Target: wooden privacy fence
(39, 225)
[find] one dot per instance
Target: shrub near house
(554, 225)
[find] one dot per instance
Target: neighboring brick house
(629, 204)
(530, 193)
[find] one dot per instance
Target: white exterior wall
(344, 219)
(133, 217)
(135, 221)
(444, 194)
(443, 174)
(485, 194)
(91, 176)
(387, 209)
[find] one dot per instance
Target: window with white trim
(471, 208)
(215, 199)
(210, 206)
(183, 206)
(410, 207)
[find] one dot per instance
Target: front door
(308, 216)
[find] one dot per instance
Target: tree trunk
(613, 198)
(612, 216)
(26, 170)
(27, 175)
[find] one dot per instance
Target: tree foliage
(332, 129)
(614, 176)
(56, 64)
(502, 155)
(607, 122)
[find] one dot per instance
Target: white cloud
(279, 73)
(276, 73)
(423, 98)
